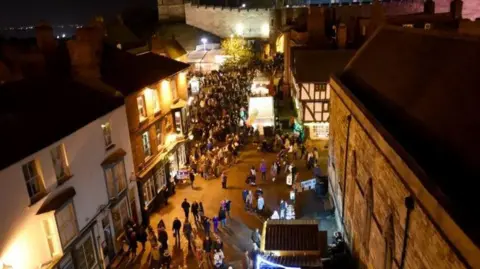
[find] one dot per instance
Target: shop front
(154, 189)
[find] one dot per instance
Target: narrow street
(236, 236)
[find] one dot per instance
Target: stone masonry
(376, 181)
(223, 21)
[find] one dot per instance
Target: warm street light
(204, 41)
(244, 5)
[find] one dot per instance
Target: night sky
(30, 12)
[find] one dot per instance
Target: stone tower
(171, 10)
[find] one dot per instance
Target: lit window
(160, 178)
(120, 216)
(147, 151)
(158, 134)
(156, 104)
(173, 88)
(408, 25)
(48, 228)
(67, 224)
(182, 156)
(149, 192)
(85, 253)
(107, 134)
(33, 179)
(178, 122)
(364, 30)
(60, 163)
(265, 30)
(427, 26)
(116, 179)
(142, 110)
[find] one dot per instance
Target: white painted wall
(21, 232)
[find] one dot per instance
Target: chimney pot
(429, 7)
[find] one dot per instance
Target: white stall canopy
(260, 112)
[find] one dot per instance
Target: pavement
(236, 236)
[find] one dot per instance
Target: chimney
(456, 7)
(83, 59)
(94, 36)
(45, 40)
(342, 36)
(429, 7)
(316, 24)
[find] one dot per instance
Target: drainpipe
(349, 120)
(409, 204)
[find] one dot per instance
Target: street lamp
(244, 5)
(204, 41)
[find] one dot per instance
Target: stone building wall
(223, 21)
(373, 179)
(171, 10)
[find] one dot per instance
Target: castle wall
(171, 10)
(224, 22)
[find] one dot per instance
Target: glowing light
(190, 137)
(171, 158)
(265, 29)
(261, 260)
(204, 41)
(64, 35)
(244, 5)
(170, 139)
(239, 29)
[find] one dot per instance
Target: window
(85, 253)
(408, 25)
(368, 215)
(33, 179)
(156, 104)
(116, 179)
(107, 134)
(158, 134)
(149, 192)
(182, 155)
(178, 122)
(147, 151)
(142, 109)
(120, 216)
(160, 178)
(173, 88)
(364, 30)
(48, 228)
(67, 224)
(59, 159)
(67, 262)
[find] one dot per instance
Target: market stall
(261, 113)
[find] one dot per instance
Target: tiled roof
(423, 88)
(314, 65)
(308, 261)
(129, 73)
(295, 236)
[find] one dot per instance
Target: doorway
(107, 247)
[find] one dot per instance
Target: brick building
(403, 150)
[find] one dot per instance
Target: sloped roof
(118, 32)
(423, 88)
(187, 36)
(129, 73)
(171, 47)
(292, 236)
(314, 65)
(35, 113)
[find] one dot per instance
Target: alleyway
(236, 236)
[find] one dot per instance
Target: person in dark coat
(224, 180)
(163, 238)
(227, 207)
(166, 259)
(218, 245)
(244, 195)
(207, 247)
(195, 211)
(206, 226)
(176, 229)
(222, 216)
(132, 242)
(142, 236)
(186, 208)
(192, 178)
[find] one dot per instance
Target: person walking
(256, 237)
(249, 200)
(176, 230)
(163, 238)
(201, 212)
(295, 150)
(227, 207)
(186, 208)
(263, 170)
(224, 180)
(244, 196)
(260, 204)
(142, 236)
(192, 177)
(218, 244)
(218, 258)
(207, 247)
(222, 216)
(187, 231)
(166, 259)
(215, 224)
(273, 171)
(206, 226)
(253, 175)
(195, 211)
(283, 209)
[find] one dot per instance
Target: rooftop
(314, 65)
(35, 113)
(297, 235)
(188, 36)
(422, 87)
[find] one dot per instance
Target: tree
(238, 49)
